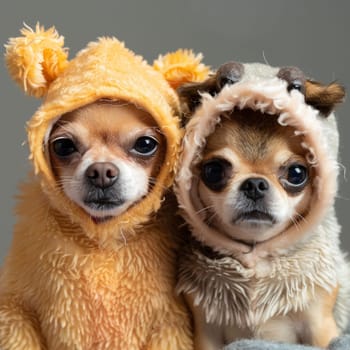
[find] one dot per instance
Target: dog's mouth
(101, 208)
(104, 203)
(254, 217)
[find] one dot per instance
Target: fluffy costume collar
(233, 294)
(260, 89)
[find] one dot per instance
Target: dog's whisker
(211, 218)
(343, 167)
(264, 58)
(153, 181)
(71, 181)
(294, 218)
(301, 217)
(204, 209)
(342, 197)
(295, 223)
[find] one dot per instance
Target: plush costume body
(240, 291)
(69, 283)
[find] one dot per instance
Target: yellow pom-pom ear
(181, 67)
(36, 58)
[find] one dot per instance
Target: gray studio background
(313, 35)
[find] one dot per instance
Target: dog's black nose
(255, 188)
(102, 174)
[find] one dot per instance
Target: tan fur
(320, 318)
(108, 130)
(260, 146)
(247, 128)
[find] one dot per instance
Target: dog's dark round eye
(145, 146)
(215, 173)
(295, 178)
(296, 85)
(297, 174)
(64, 147)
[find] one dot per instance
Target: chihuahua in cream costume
(256, 183)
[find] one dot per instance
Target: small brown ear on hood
(323, 97)
(190, 93)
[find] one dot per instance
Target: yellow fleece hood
(104, 69)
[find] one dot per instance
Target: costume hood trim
(319, 138)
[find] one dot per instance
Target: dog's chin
(254, 218)
(253, 227)
(104, 205)
(101, 211)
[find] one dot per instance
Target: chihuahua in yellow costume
(91, 265)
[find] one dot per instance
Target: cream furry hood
(306, 106)
(105, 69)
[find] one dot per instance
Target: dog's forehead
(251, 138)
(258, 72)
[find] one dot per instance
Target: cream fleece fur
(242, 286)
